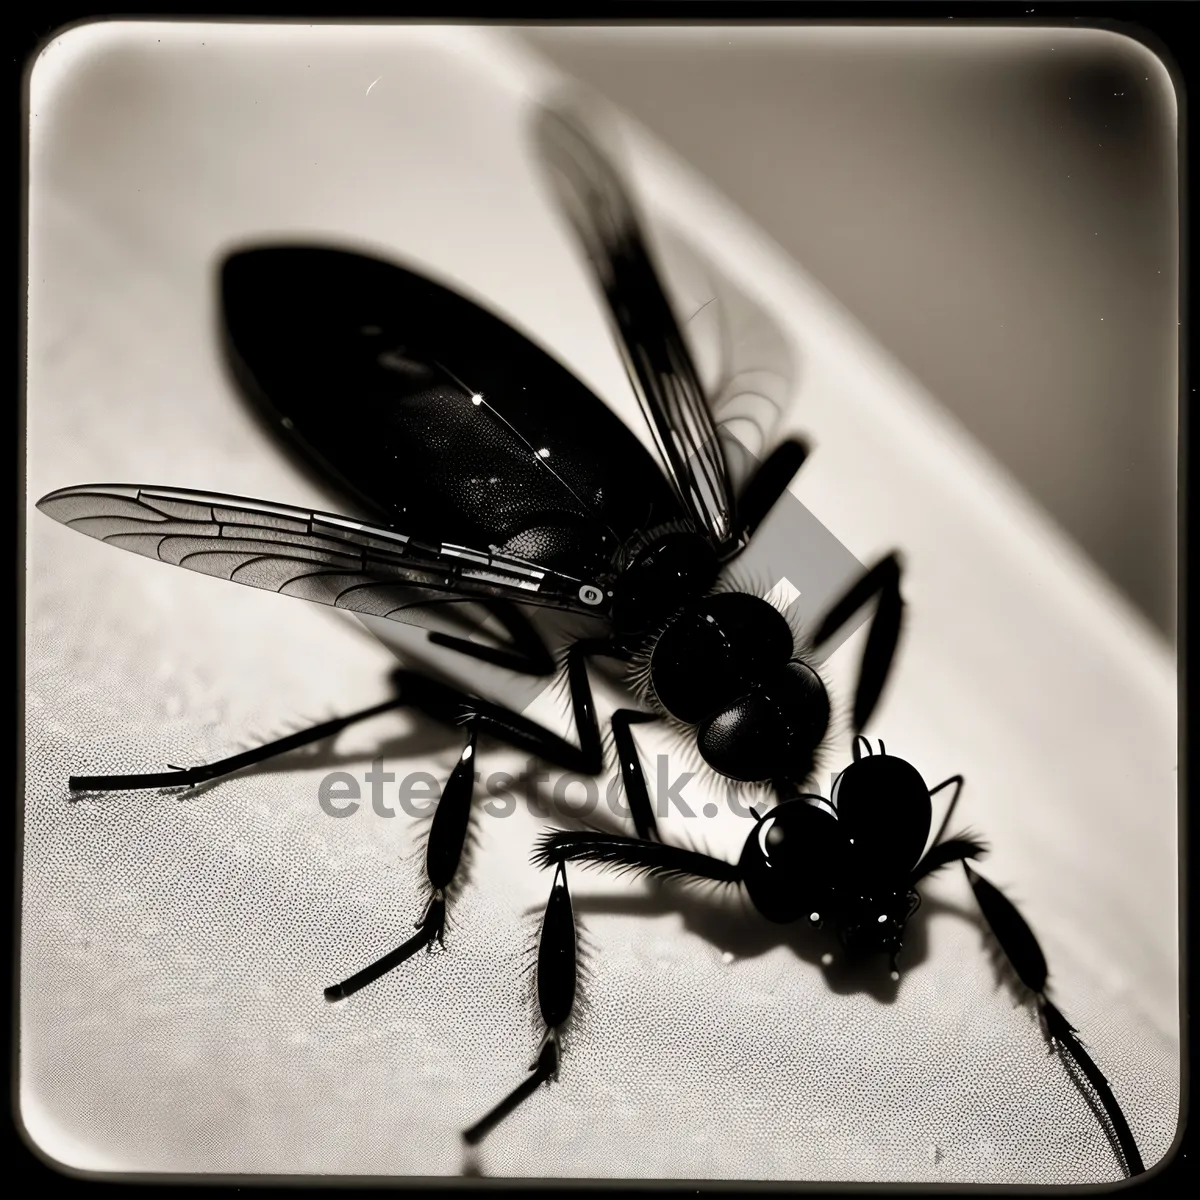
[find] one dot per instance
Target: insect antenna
(588, 949)
(525, 973)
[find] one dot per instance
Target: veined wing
(339, 561)
(657, 358)
(746, 362)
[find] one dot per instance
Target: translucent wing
(318, 556)
(657, 358)
(746, 362)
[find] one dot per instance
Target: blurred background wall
(997, 207)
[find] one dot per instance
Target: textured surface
(174, 947)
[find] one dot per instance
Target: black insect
(492, 476)
(850, 863)
(486, 474)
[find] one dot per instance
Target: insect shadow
(730, 928)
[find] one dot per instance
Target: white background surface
(174, 947)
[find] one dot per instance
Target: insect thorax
(727, 664)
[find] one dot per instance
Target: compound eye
(757, 633)
(692, 670)
(792, 862)
(772, 731)
(716, 651)
(883, 805)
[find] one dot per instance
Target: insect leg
(632, 777)
(527, 654)
(957, 782)
(556, 982)
(450, 704)
(443, 853)
(882, 580)
(941, 854)
(615, 851)
(768, 483)
(453, 706)
(1021, 948)
(226, 766)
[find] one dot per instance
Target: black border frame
(1163, 26)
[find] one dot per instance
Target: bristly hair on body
(625, 855)
(684, 733)
(646, 537)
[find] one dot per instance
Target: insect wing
(432, 413)
(317, 556)
(745, 360)
(657, 358)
